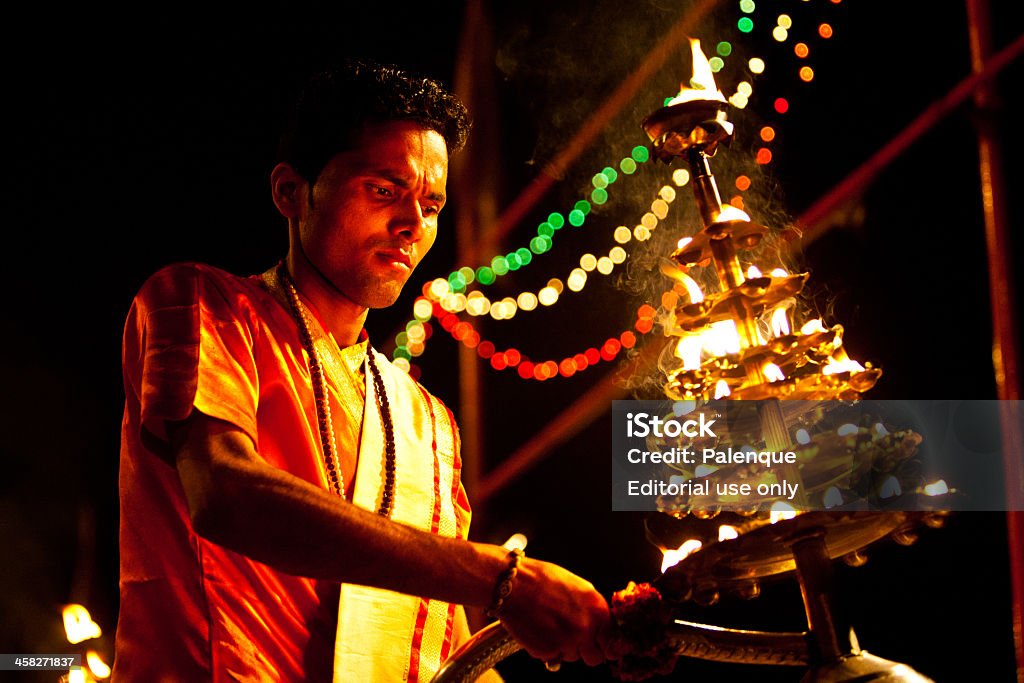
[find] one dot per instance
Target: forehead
(404, 147)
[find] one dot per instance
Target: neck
(339, 315)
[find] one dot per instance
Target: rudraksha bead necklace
(323, 407)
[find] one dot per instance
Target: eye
(431, 210)
(380, 190)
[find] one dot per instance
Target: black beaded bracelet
(503, 586)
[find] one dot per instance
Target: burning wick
(937, 488)
(727, 533)
(78, 624)
(702, 85)
(781, 511)
(673, 557)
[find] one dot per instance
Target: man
(274, 466)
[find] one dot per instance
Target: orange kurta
(200, 338)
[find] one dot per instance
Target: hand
(556, 615)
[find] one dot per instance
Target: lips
(398, 256)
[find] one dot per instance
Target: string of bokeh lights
(444, 299)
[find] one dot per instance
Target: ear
(288, 190)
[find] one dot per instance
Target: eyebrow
(392, 177)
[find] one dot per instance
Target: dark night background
(138, 141)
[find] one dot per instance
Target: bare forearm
(287, 523)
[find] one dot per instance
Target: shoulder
(190, 283)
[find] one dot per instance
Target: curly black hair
(336, 105)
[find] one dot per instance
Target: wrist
(504, 583)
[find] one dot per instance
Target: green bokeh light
(525, 255)
(628, 166)
(467, 274)
(545, 229)
(640, 154)
(610, 174)
(499, 265)
(513, 261)
(556, 220)
(485, 275)
(716, 64)
(402, 352)
(747, 6)
(599, 196)
(724, 48)
(540, 244)
(401, 339)
(746, 25)
(599, 181)
(576, 217)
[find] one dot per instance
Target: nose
(408, 220)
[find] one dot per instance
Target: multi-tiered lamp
(736, 341)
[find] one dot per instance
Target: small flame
(780, 322)
(722, 389)
(779, 272)
(97, 666)
(753, 271)
(688, 350)
(781, 511)
(812, 326)
(704, 470)
(727, 533)
(803, 437)
(729, 213)
(773, 373)
(683, 241)
(721, 338)
(702, 85)
(937, 488)
(847, 429)
(78, 625)
(890, 487)
(76, 675)
(692, 289)
(515, 541)
(834, 366)
(674, 557)
(833, 497)
(880, 429)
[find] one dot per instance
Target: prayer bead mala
(323, 407)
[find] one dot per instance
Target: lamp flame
(97, 666)
(78, 624)
(781, 511)
(702, 85)
(773, 373)
(731, 213)
(937, 488)
(692, 289)
(688, 350)
(780, 322)
(834, 366)
(833, 497)
(753, 271)
(722, 389)
(673, 557)
(727, 532)
(812, 326)
(721, 338)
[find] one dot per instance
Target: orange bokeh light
(743, 183)
(825, 31)
(764, 156)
